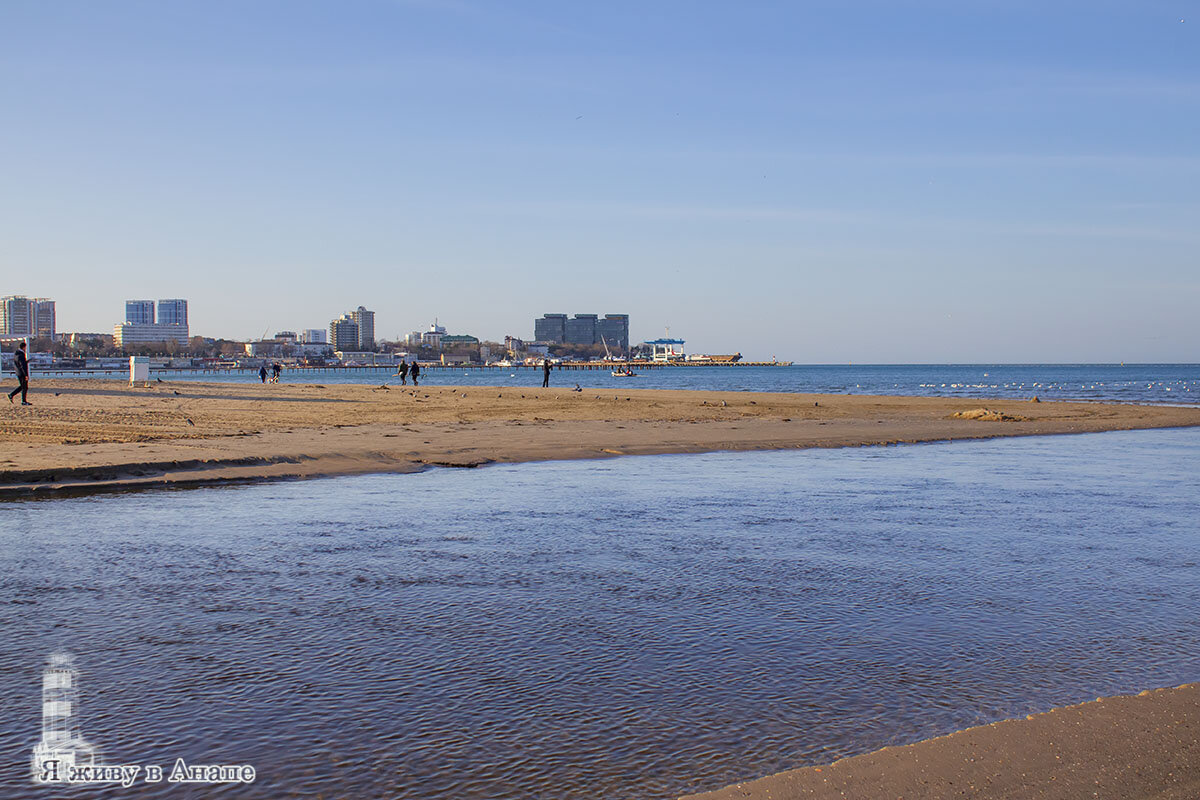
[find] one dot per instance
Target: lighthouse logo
(61, 749)
(62, 756)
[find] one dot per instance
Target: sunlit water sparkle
(631, 628)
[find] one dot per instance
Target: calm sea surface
(1133, 383)
(628, 628)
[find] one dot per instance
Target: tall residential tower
(365, 320)
(172, 312)
(139, 312)
(343, 334)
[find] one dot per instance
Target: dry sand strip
(90, 435)
(1137, 746)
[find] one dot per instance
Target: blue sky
(820, 181)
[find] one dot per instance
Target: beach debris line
(988, 415)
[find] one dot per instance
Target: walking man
(415, 371)
(402, 371)
(545, 373)
(21, 362)
(262, 373)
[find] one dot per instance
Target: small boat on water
(619, 372)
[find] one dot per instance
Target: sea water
(1133, 383)
(629, 628)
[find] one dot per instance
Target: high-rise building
(343, 333)
(141, 328)
(550, 328)
(42, 317)
(139, 312)
(581, 329)
(16, 316)
(366, 328)
(172, 312)
(613, 330)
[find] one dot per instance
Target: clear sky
(850, 180)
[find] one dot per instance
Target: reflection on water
(630, 628)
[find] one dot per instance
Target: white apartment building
(127, 334)
(313, 336)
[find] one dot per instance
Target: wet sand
(1135, 746)
(90, 435)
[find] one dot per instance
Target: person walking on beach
(402, 371)
(21, 363)
(262, 373)
(545, 373)
(276, 371)
(415, 371)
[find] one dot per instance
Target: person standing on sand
(262, 373)
(402, 371)
(545, 373)
(276, 371)
(416, 370)
(21, 363)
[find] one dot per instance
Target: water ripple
(633, 629)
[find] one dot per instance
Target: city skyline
(401, 337)
(891, 182)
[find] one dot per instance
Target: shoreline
(1144, 745)
(89, 435)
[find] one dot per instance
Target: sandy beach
(97, 435)
(1133, 746)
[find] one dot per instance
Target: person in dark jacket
(402, 371)
(21, 362)
(262, 373)
(545, 372)
(415, 371)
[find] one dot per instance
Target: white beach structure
(665, 349)
(139, 369)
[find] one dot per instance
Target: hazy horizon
(893, 182)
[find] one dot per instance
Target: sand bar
(1136, 746)
(89, 435)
